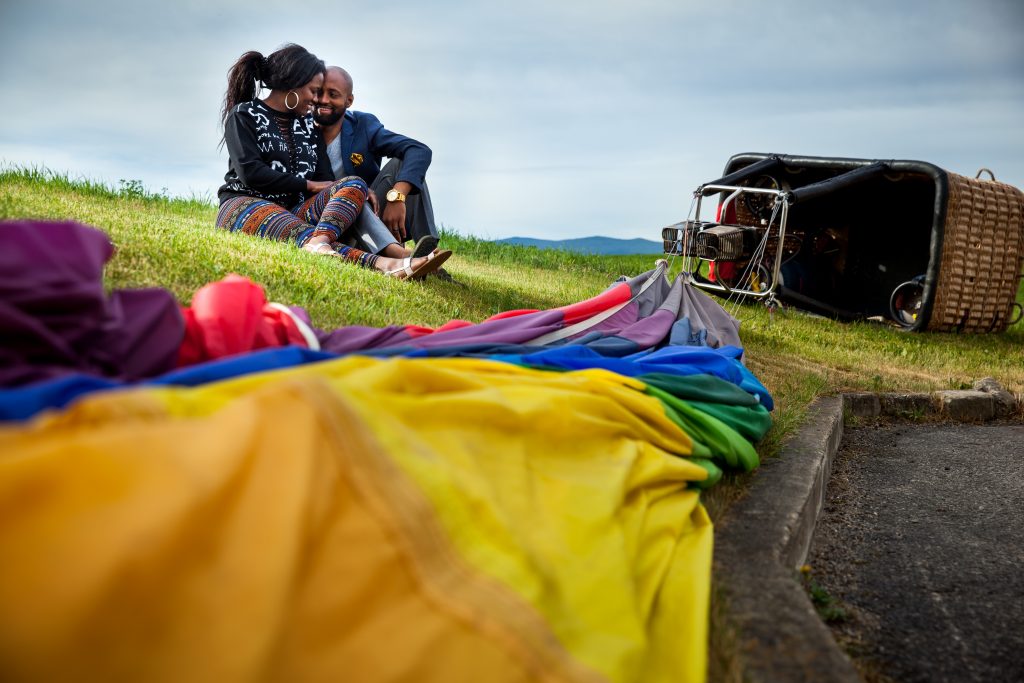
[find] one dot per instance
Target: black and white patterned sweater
(271, 154)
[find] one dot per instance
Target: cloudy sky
(548, 118)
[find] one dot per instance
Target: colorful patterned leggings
(330, 212)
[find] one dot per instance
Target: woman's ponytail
(242, 78)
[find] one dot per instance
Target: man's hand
(394, 218)
(315, 186)
(371, 197)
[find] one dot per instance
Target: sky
(551, 119)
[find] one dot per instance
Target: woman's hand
(315, 186)
(374, 204)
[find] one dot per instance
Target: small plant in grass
(829, 609)
(132, 188)
(914, 414)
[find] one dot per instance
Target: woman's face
(309, 94)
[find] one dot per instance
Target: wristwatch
(394, 195)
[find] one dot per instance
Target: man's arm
(415, 157)
(414, 154)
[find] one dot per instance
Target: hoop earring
(291, 106)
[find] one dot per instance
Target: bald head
(338, 72)
(336, 97)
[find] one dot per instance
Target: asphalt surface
(922, 543)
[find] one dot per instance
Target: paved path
(922, 539)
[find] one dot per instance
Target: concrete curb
(765, 537)
(759, 548)
(986, 401)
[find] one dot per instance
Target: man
(356, 143)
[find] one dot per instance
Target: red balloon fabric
(232, 316)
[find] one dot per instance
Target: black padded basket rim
(938, 175)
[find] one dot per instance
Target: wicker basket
(964, 237)
(982, 254)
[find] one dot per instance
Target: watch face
(392, 195)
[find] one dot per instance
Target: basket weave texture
(982, 255)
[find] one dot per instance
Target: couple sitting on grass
(321, 186)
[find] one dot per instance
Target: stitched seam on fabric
(448, 581)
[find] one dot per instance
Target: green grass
(172, 243)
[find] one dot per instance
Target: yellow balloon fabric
(358, 519)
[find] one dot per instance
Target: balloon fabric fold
(224, 492)
(481, 543)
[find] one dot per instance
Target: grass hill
(590, 245)
(172, 243)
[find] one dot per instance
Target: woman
(279, 183)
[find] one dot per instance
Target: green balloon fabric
(713, 470)
(719, 438)
(753, 422)
(718, 398)
(706, 388)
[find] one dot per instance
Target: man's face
(335, 99)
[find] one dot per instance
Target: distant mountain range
(591, 245)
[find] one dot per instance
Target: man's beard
(330, 119)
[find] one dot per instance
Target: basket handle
(985, 170)
(1020, 314)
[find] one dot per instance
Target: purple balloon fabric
(649, 319)
(56, 319)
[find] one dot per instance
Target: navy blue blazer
(364, 141)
